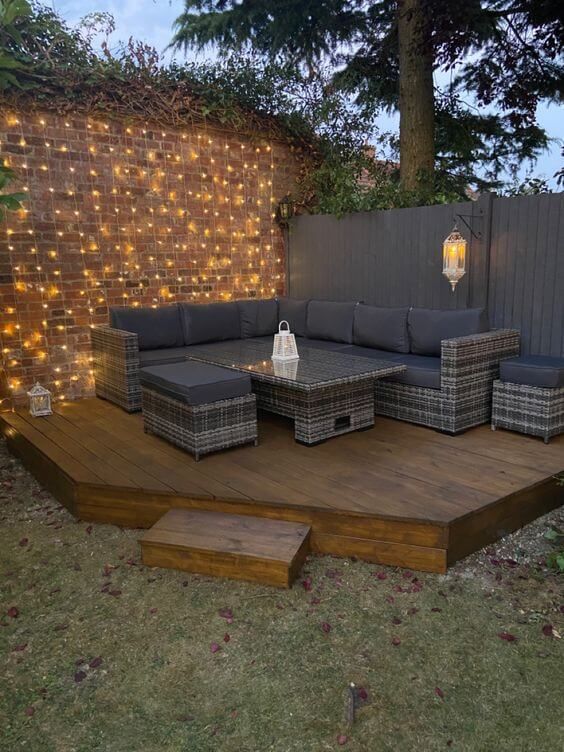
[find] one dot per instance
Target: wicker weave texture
(469, 366)
(201, 429)
(321, 413)
(116, 367)
(527, 409)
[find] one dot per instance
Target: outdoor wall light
(454, 257)
(286, 208)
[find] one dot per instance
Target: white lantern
(284, 344)
(39, 401)
(454, 257)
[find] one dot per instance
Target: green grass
(279, 682)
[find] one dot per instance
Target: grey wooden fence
(394, 258)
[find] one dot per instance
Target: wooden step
(227, 545)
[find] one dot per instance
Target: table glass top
(313, 367)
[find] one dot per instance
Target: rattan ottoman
(198, 407)
(529, 396)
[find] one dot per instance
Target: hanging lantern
(284, 344)
(454, 257)
(39, 401)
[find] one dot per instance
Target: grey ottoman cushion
(154, 327)
(428, 327)
(258, 317)
(421, 371)
(533, 370)
(211, 322)
(196, 383)
(382, 328)
(295, 313)
(330, 320)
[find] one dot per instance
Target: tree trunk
(416, 98)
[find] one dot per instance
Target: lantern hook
(477, 235)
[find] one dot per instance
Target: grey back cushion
(258, 317)
(428, 327)
(381, 328)
(210, 322)
(330, 320)
(154, 327)
(294, 311)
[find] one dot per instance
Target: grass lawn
(99, 653)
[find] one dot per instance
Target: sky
(151, 21)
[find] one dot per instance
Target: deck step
(238, 546)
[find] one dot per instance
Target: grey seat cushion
(429, 327)
(210, 322)
(330, 320)
(294, 311)
(154, 327)
(533, 370)
(382, 328)
(196, 383)
(369, 352)
(421, 371)
(258, 317)
(163, 356)
(319, 344)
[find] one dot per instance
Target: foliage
(16, 71)
(502, 57)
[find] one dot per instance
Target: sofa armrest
(116, 366)
(477, 356)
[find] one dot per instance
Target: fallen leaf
(307, 584)
(396, 641)
(396, 620)
(13, 612)
(227, 614)
(381, 575)
(95, 662)
(214, 647)
(79, 676)
(19, 648)
(326, 627)
(507, 636)
(88, 529)
(24, 542)
(439, 692)
(342, 739)
(226, 637)
(29, 711)
(153, 610)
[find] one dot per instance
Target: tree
(499, 59)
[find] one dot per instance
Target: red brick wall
(127, 215)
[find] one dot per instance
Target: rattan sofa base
(201, 429)
(537, 411)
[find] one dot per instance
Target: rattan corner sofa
(452, 357)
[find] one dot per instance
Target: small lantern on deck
(284, 344)
(39, 401)
(454, 257)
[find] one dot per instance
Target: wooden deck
(399, 494)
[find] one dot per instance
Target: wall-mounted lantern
(454, 257)
(285, 209)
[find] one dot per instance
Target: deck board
(399, 494)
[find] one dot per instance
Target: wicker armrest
(116, 366)
(469, 356)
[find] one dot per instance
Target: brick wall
(127, 215)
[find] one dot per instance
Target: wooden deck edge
(473, 531)
(129, 508)
(46, 471)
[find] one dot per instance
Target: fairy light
(145, 217)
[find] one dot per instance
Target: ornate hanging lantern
(285, 209)
(39, 401)
(284, 344)
(454, 257)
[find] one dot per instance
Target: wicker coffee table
(326, 393)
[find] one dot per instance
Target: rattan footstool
(199, 407)
(529, 396)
